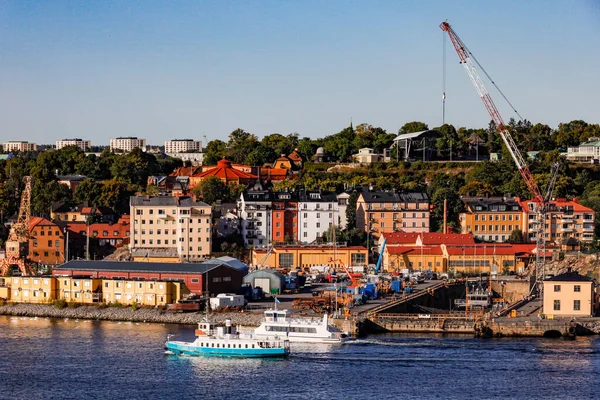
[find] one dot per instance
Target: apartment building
(126, 144)
(46, 242)
(14, 146)
(160, 222)
(82, 144)
(183, 146)
(255, 215)
(492, 219)
(284, 217)
(36, 289)
(380, 212)
(564, 219)
(317, 212)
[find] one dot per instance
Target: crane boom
(540, 201)
(465, 58)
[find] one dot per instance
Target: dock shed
(268, 280)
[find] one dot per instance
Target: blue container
(396, 286)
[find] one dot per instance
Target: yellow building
(569, 295)
(79, 289)
(308, 256)
(36, 289)
(492, 218)
(145, 293)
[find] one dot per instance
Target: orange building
(46, 242)
(492, 218)
(226, 172)
(386, 212)
(284, 217)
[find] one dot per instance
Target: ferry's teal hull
(191, 350)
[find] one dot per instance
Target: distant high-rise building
(183, 146)
(82, 144)
(127, 144)
(19, 146)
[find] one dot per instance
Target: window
(576, 305)
(49, 243)
(557, 288)
(286, 260)
(556, 305)
(577, 288)
(357, 259)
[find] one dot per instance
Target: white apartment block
(255, 216)
(182, 146)
(317, 211)
(165, 222)
(127, 144)
(82, 144)
(194, 158)
(19, 146)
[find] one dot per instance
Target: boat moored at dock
(281, 324)
(225, 341)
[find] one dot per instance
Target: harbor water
(79, 359)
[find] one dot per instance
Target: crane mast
(540, 202)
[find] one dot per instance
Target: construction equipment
(380, 256)
(350, 275)
(466, 59)
(18, 238)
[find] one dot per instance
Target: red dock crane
(466, 59)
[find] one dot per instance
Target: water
(77, 359)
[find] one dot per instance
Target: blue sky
(160, 70)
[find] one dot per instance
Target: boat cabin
(277, 315)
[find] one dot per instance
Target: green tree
(516, 236)
(340, 145)
(448, 141)
(261, 155)
(89, 191)
(43, 194)
(411, 127)
(239, 145)
(214, 151)
(211, 189)
(351, 211)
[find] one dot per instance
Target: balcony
(568, 229)
(588, 220)
(588, 229)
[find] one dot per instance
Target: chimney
(445, 216)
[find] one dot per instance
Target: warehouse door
(264, 283)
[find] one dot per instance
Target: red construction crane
(540, 201)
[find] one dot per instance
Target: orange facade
(46, 242)
(285, 221)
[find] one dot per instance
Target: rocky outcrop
(127, 314)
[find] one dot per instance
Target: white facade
(19, 146)
(585, 152)
(195, 158)
(82, 144)
(255, 217)
(182, 146)
(127, 144)
(317, 211)
(171, 223)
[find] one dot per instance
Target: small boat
(225, 341)
(280, 324)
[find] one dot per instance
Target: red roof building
(426, 239)
(226, 172)
(46, 242)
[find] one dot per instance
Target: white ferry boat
(280, 324)
(219, 341)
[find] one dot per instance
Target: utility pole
(67, 245)
(87, 239)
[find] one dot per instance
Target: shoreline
(148, 315)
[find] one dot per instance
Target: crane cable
(493, 83)
(444, 79)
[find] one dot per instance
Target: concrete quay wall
(127, 314)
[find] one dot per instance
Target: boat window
(228, 346)
(246, 346)
(252, 346)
